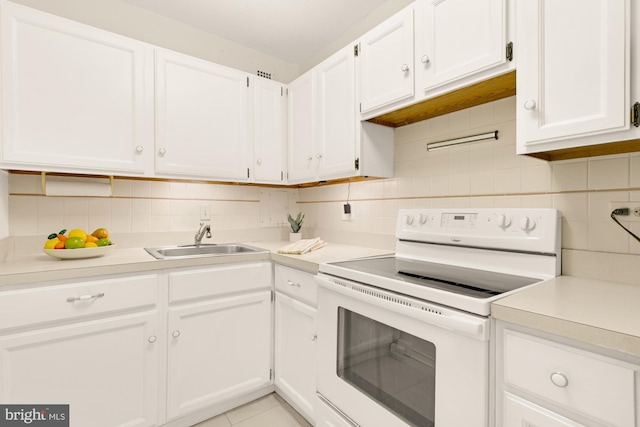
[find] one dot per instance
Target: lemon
(74, 243)
(90, 245)
(78, 233)
(51, 243)
(101, 233)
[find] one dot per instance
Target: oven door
(389, 360)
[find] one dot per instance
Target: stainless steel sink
(192, 251)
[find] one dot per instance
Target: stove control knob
(409, 220)
(527, 224)
(423, 219)
(504, 221)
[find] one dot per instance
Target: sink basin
(191, 251)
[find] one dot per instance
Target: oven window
(392, 367)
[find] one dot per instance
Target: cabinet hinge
(247, 81)
(357, 163)
(361, 107)
(247, 172)
(273, 296)
(635, 114)
(356, 49)
(510, 51)
(281, 175)
(270, 374)
(281, 91)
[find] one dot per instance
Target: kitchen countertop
(39, 267)
(597, 312)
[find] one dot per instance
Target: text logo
(34, 415)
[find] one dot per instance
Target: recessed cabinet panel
(269, 131)
(386, 62)
(74, 98)
(461, 37)
(336, 115)
(573, 70)
(202, 113)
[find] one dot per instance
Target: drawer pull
(313, 337)
(559, 379)
(294, 284)
(85, 297)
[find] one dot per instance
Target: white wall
(131, 21)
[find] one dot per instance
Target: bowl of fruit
(78, 244)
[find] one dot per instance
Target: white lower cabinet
(547, 381)
(219, 335)
(295, 339)
(328, 417)
(86, 344)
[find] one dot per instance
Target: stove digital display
(457, 220)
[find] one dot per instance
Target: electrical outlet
(634, 211)
(205, 213)
(347, 212)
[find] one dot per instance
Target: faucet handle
(208, 232)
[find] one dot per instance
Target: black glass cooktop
(460, 280)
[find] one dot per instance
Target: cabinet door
(461, 37)
(573, 70)
(110, 363)
(269, 131)
(386, 60)
(218, 350)
(519, 412)
(295, 370)
(336, 128)
(302, 122)
(74, 98)
(203, 122)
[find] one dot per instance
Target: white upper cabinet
(456, 39)
(74, 98)
(336, 139)
(269, 131)
(302, 106)
(386, 62)
(577, 73)
(202, 118)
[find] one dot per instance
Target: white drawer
(597, 387)
(519, 412)
(23, 307)
(214, 281)
(297, 284)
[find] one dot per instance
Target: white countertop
(39, 267)
(597, 312)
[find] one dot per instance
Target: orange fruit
(59, 245)
(91, 239)
(62, 237)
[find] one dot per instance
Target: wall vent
(264, 74)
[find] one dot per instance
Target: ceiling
(290, 30)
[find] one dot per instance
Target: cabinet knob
(319, 156)
(313, 337)
(259, 162)
(404, 68)
(559, 379)
(175, 334)
(152, 339)
(293, 284)
(162, 151)
(530, 104)
(139, 149)
(309, 158)
(425, 59)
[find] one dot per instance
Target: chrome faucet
(201, 232)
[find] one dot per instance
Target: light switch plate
(205, 213)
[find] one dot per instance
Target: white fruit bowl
(79, 253)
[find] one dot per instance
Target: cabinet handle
(559, 379)
(425, 59)
(139, 149)
(152, 339)
(85, 297)
(175, 334)
(530, 104)
(162, 151)
(404, 68)
(313, 337)
(259, 162)
(294, 284)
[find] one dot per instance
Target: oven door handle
(337, 411)
(452, 320)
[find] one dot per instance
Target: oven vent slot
(388, 296)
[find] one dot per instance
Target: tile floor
(268, 411)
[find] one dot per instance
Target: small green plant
(296, 224)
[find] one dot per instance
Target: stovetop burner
(459, 280)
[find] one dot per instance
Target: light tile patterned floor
(268, 411)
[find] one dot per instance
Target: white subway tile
(536, 179)
(76, 206)
(568, 176)
(573, 206)
(608, 173)
(141, 188)
(607, 237)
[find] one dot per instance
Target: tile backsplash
(480, 174)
